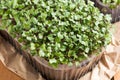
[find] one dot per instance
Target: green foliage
(111, 3)
(61, 31)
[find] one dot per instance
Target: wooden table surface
(6, 74)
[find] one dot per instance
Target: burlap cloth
(104, 70)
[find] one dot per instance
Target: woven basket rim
(44, 62)
(102, 4)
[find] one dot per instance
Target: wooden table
(6, 74)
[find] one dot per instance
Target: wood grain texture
(6, 74)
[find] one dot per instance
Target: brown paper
(104, 70)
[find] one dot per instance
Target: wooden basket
(63, 72)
